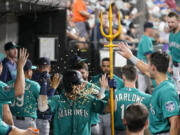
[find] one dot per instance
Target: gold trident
(111, 45)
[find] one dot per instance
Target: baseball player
(42, 76)
(82, 67)
(72, 107)
(174, 46)
(164, 103)
(7, 93)
(126, 96)
(105, 125)
(145, 48)
(24, 107)
(136, 119)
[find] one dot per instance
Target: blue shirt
(9, 71)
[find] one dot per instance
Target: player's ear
(153, 67)
(136, 77)
(124, 122)
(123, 77)
(146, 124)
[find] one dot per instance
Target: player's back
(125, 97)
(26, 105)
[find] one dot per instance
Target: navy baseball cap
(10, 45)
(44, 61)
(75, 60)
(29, 65)
(148, 25)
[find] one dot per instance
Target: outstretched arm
(17, 131)
(126, 52)
(20, 80)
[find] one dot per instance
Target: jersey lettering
(69, 112)
(129, 97)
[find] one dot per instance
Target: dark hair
(81, 65)
(173, 14)
(129, 72)
(136, 116)
(71, 78)
(105, 59)
(160, 60)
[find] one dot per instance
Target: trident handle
(110, 46)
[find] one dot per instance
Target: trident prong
(111, 46)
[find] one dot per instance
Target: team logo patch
(170, 106)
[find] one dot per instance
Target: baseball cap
(29, 65)
(44, 61)
(74, 60)
(10, 45)
(148, 25)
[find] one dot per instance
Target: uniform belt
(93, 125)
(176, 64)
(23, 118)
(20, 118)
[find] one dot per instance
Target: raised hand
(104, 82)
(55, 81)
(22, 58)
(31, 131)
(124, 50)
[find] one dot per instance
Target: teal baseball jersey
(125, 97)
(74, 117)
(119, 81)
(7, 93)
(27, 104)
(4, 128)
(168, 76)
(164, 104)
(174, 46)
(145, 47)
(94, 116)
(1, 105)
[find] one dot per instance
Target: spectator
(80, 16)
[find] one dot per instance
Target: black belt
(175, 64)
(93, 125)
(20, 118)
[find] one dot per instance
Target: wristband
(134, 60)
(101, 93)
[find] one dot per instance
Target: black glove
(112, 83)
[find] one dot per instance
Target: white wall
(8, 30)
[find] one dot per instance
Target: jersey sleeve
(147, 100)
(4, 128)
(98, 105)
(7, 94)
(53, 103)
(120, 83)
(170, 104)
(80, 6)
(147, 47)
(36, 90)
